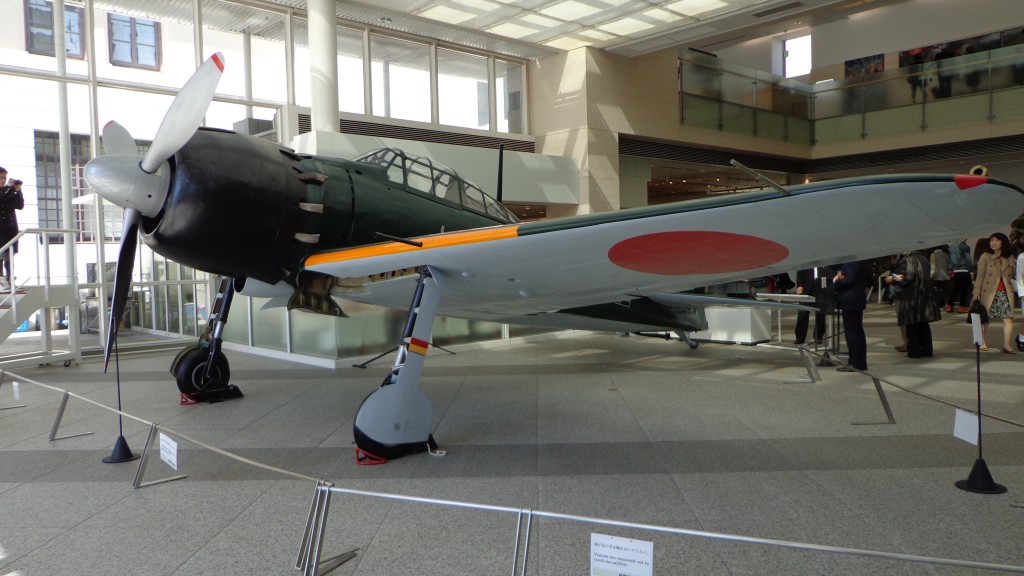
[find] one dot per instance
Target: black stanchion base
(980, 480)
(121, 453)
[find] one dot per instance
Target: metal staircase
(19, 306)
(36, 298)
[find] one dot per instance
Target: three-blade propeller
(140, 185)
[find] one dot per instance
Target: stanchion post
(302, 559)
(60, 415)
(885, 403)
(980, 480)
(526, 543)
(137, 481)
(812, 369)
(144, 460)
(317, 543)
(308, 559)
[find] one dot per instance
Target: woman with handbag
(994, 287)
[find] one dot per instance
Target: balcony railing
(968, 90)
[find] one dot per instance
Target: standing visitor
(851, 286)
(993, 288)
(11, 199)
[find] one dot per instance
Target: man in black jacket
(851, 285)
(808, 283)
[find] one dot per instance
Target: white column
(67, 210)
(323, 65)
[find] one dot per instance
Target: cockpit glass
(435, 179)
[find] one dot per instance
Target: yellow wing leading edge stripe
(439, 241)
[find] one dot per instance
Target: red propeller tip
(218, 61)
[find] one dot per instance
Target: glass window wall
(269, 64)
(300, 35)
(314, 334)
(463, 98)
(350, 71)
(269, 325)
(155, 53)
(400, 75)
(509, 86)
(234, 30)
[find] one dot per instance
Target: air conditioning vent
(777, 9)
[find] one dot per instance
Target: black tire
(189, 375)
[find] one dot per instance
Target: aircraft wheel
(189, 375)
(692, 344)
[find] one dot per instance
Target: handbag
(977, 308)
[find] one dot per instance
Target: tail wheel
(189, 375)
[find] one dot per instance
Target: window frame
(30, 46)
(132, 22)
(46, 145)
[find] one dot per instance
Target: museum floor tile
(722, 440)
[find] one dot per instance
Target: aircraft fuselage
(242, 207)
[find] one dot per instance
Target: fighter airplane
(392, 229)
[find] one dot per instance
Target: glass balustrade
(967, 90)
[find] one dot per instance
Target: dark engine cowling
(232, 209)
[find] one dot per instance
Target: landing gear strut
(395, 419)
(202, 371)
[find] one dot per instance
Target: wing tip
(966, 181)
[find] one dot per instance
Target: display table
(735, 325)
(804, 299)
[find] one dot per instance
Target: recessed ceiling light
(446, 14)
(511, 30)
(570, 10)
(626, 26)
(694, 7)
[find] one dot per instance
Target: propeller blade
(122, 277)
(117, 141)
(185, 114)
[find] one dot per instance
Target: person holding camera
(11, 199)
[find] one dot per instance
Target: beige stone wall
(580, 101)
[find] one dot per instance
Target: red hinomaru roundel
(695, 252)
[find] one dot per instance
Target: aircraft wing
(532, 273)
(687, 300)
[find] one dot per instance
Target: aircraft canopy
(430, 177)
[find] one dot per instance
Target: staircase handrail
(44, 274)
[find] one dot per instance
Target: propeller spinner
(140, 185)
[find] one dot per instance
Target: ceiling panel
(529, 29)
